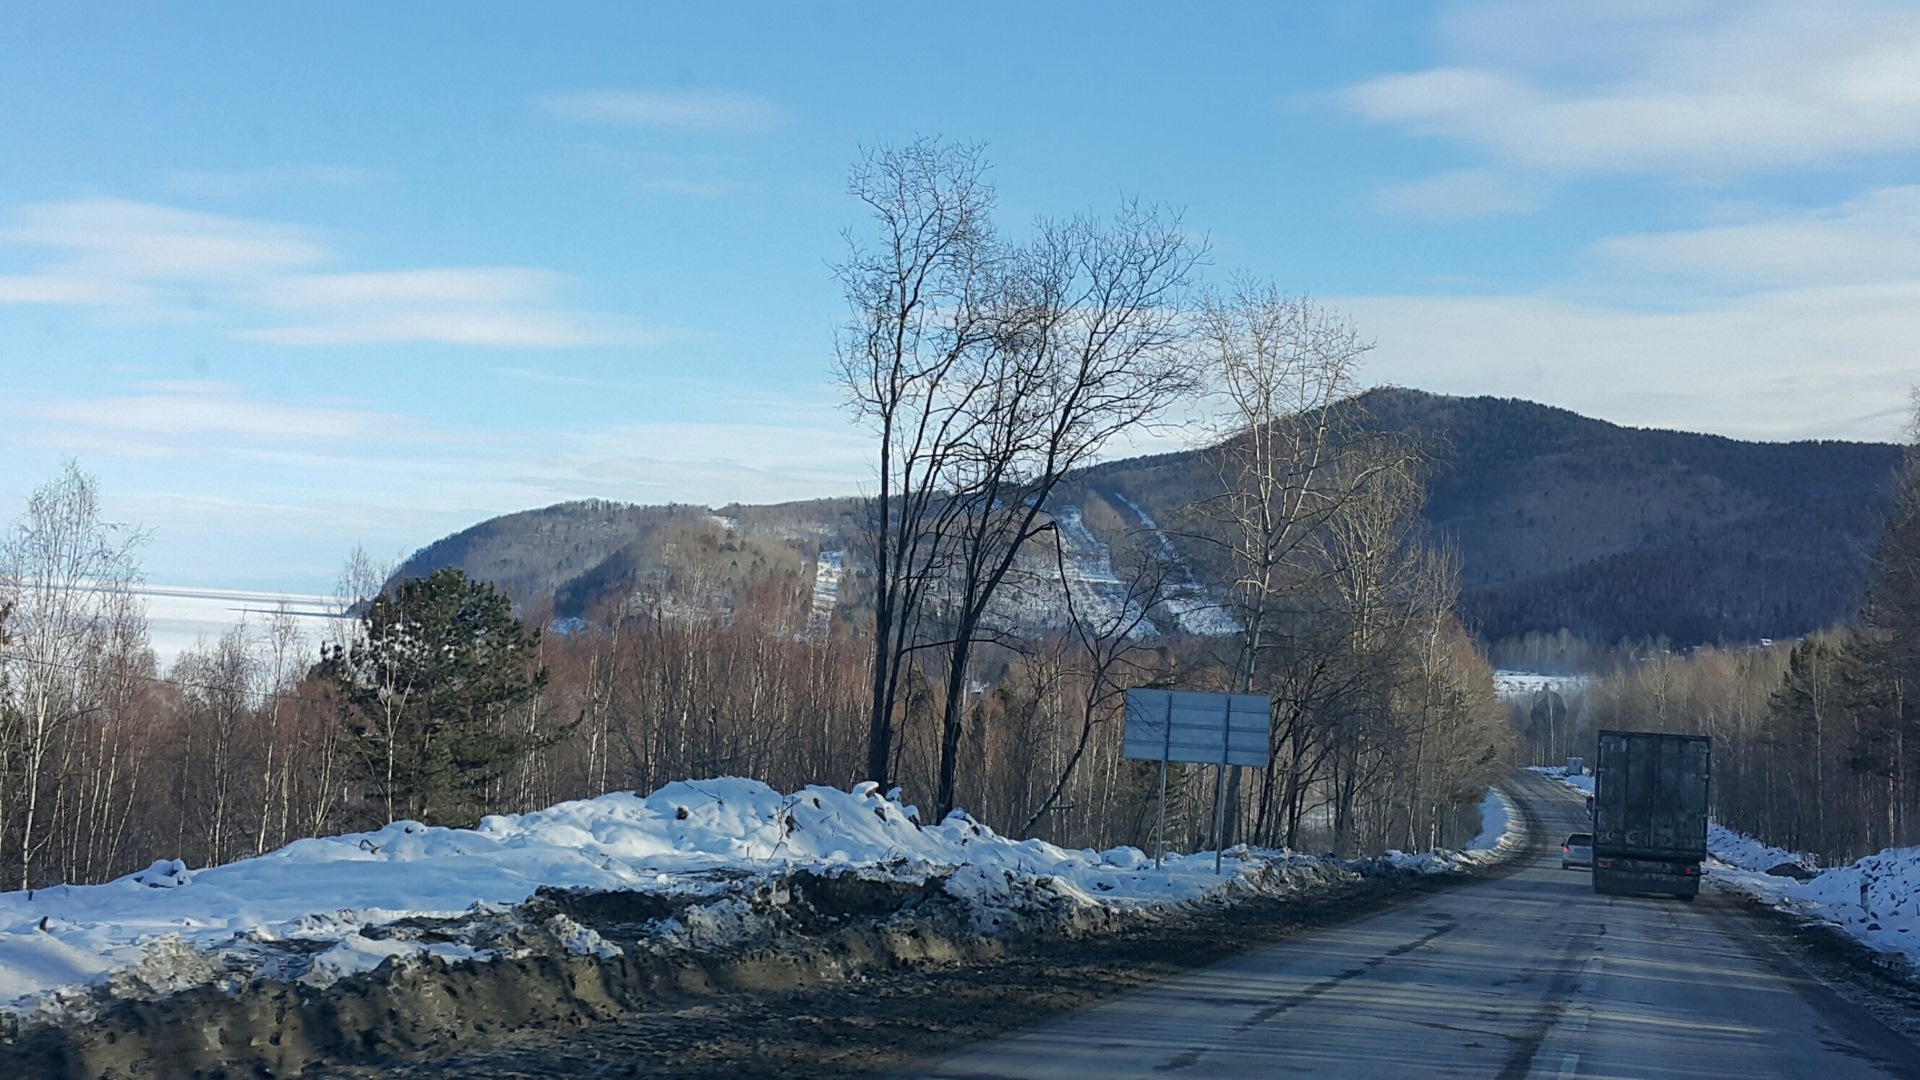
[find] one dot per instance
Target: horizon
(324, 287)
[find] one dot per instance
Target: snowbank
(1499, 836)
(329, 903)
(1876, 899)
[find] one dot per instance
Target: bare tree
(1093, 342)
(919, 295)
(1106, 647)
(69, 578)
(1285, 369)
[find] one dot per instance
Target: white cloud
(1463, 193)
(143, 262)
(119, 239)
(1699, 91)
(184, 410)
(696, 111)
(1872, 238)
(1828, 362)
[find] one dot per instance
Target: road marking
(1569, 1066)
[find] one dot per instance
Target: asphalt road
(1528, 975)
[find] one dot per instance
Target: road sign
(1182, 725)
(1185, 725)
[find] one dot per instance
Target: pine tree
(438, 664)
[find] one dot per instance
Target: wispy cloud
(260, 282)
(70, 291)
(176, 410)
(456, 286)
(1825, 362)
(696, 175)
(1464, 193)
(684, 110)
(120, 239)
(1688, 91)
(1874, 237)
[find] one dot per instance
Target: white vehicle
(1577, 851)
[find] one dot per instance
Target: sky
(293, 278)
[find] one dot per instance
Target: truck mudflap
(1616, 875)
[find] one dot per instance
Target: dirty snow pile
(332, 903)
(1876, 899)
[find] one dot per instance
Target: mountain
(1610, 531)
(1560, 520)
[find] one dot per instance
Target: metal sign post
(1160, 829)
(1209, 729)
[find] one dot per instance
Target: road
(1527, 975)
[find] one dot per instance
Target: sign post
(1209, 729)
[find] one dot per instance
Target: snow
(1499, 837)
(1090, 574)
(1496, 822)
(1189, 602)
(1876, 899)
(1522, 685)
(334, 904)
(180, 617)
(827, 572)
(1583, 783)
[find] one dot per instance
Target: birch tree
(68, 577)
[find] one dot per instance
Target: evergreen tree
(438, 665)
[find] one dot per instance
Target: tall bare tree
(921, 309)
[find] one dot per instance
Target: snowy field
(320, 909)
(1877, 899)
(1522, 685)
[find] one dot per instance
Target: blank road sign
(1184, 725)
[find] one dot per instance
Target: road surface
(1528, 975)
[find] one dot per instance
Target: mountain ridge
(1561, 520)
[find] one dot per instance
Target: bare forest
(990, 371)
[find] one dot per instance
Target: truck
(1650, 812)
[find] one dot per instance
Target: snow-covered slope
(321, 908)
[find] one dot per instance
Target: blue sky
(289, 279)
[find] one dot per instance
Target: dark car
(1577, 851)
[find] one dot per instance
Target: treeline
(1816, 741)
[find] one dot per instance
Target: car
(1577, 851)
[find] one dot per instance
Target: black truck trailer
(1650, 812)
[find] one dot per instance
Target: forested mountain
(1560, 521)
(1610, 531)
